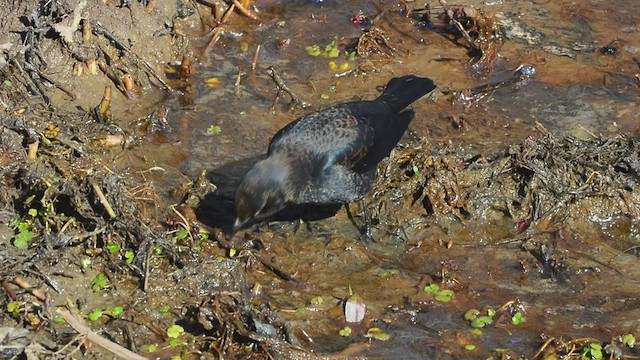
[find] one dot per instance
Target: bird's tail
(403, 91)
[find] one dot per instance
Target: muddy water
(577, 90)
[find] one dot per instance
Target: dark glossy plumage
(330, 156)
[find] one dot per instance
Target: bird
(330, 156)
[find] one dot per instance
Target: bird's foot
(366, 233)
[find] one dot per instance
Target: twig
(101, 30)
(109, 345)
(103, 200)
(214, 39)
(283, 87)
(459, 26)
(246, 12)
(227, 14)
(254, 63)
(56, 84)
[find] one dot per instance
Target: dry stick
(82, 329)
(246, 12)
(459, 26)
(103, 200)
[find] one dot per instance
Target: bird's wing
(333, 135)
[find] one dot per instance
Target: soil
(504, 225)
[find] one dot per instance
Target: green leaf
(23, 239)
(313, 50)
(129, 256)
(629, 340)
(32, 212)
(182, 234)
(13, 306)
(99, 282)
(174, 331)
(470, 347)
(444, 295)
(346, 331)
(152, 348)
(164, 309)
(592, 351)
(113, 247)
(431, 288)
(116, 311)
(94, 315)
(517, 318)
(481, 321)
(471, 314)
(214, 130)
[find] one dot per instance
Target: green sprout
(174, 331)
(592, 351)
(113, 247)
(182, 234)
(471, 314)
(629, 340)
(214, 130)
(313, 50)
(129, 257)
(99, 282)
(24, 237)
(439, 295)
(94, 315)
(14, 308)
(517, 318)
(431, 288)
(481, 321)
(345, 331)
(115, 312)
(330, 50)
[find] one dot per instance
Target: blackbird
(330, 156)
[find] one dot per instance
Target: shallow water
(576, 91)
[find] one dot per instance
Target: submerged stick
(283, 87)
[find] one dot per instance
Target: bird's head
(264, 190)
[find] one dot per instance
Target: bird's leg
(365, 230)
